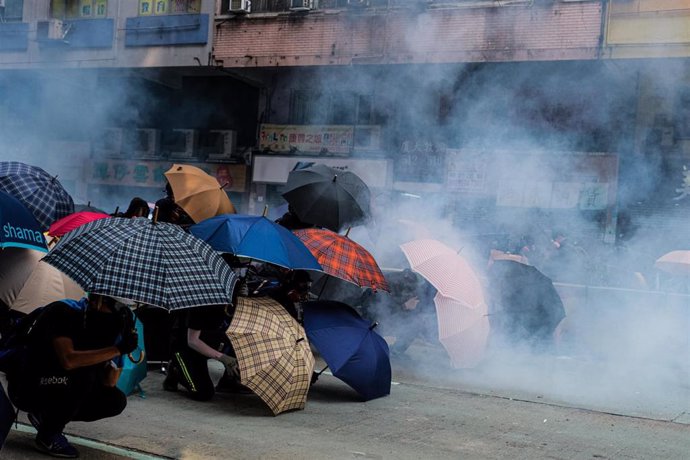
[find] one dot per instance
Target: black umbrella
(40, 192)
(327, 197)
(524, 306)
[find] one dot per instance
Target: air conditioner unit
(358, 3)
(56, 30)
(185, 143)
(109, 143)
(146, 143)
(2, 3)
(223, 146)
(302, 5)
(240, 6)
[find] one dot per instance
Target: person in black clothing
(138, 207)
(169, 211)
(290, 220)
(199, 335)
(294, 288)
(68, 374)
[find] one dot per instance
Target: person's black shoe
(56, 446)
(170, 382)
(230, 386)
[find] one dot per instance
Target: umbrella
(461, 310)
(674, 262)
(327, 197)
(354, 352)
(153, 263)
(40, 192)
(198, 193)
(87, 207)
(255, 237)
(343, 258)
(74, 220)
(273, 353)
(26, 283)
(19, 228)
(463, 331)
(445, 269)
(525, 304)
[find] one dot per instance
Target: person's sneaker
(56, 446)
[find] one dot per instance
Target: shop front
(112, 183)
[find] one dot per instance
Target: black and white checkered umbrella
(153, 263)
(40, 192)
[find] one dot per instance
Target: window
(12, 12)
(75, 9)
(157, 7)
(308, 107)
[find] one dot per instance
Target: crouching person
(68, 373)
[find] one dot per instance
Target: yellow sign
(150, 173)
(307, 138)
(86, 8)
(160, 7)
(145, 7)
(101, 8)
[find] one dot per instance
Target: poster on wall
(151, 173)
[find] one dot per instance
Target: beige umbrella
(674, 262)
(198, 193)
(26, 283)
(462, 312)
(273, 353)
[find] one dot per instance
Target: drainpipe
(602, 27)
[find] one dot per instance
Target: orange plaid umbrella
(343, 258)
(273, 353)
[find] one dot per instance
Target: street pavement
(431, 413)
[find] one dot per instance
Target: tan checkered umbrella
(273, 353)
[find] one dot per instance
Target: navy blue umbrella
(40, 192)
(255, 237)
(19, 228)
(353, 351)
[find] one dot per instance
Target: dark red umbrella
(343, 258)
(77, 219)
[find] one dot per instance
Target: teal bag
(133, 373)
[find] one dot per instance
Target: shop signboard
(309, 139)
(559, 180)
(420, 162)
(150, 173)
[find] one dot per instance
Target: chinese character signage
(564, 180)
(331, 139)
(150, 173)
(420, 161)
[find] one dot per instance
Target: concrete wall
(439, 34)
(175, 51)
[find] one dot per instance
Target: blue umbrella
(353, 351)
(255, 237)
(19, 228)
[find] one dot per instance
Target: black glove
(129, 342)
